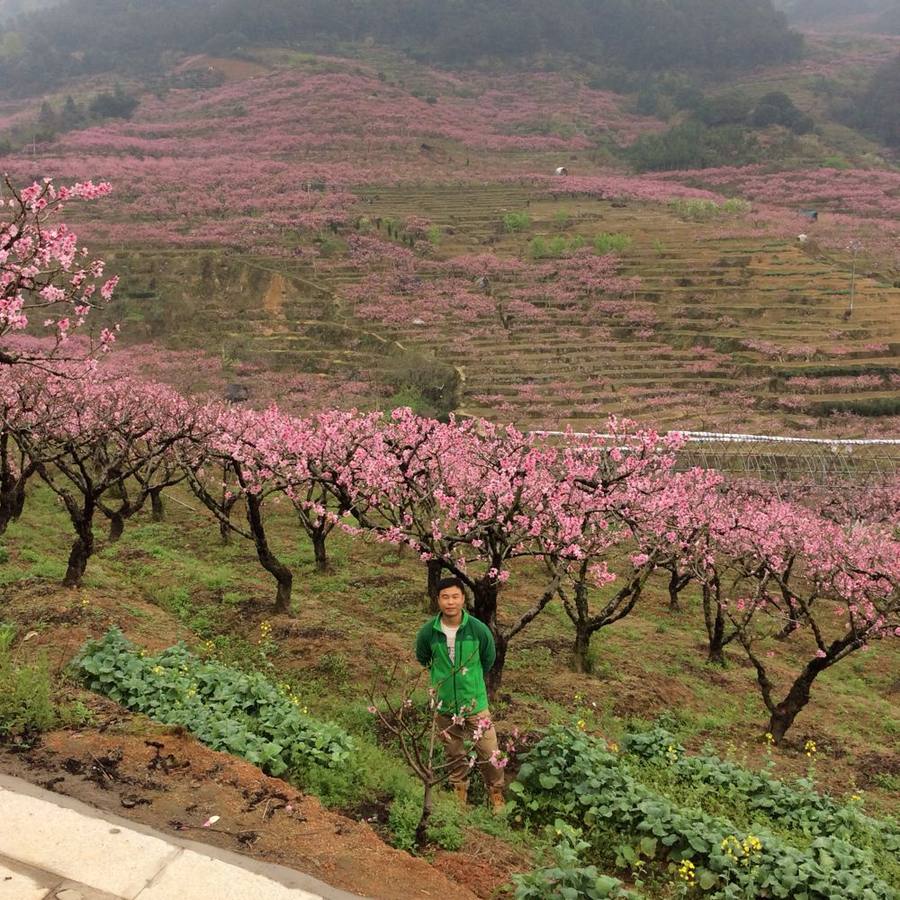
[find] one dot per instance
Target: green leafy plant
(574, 777)
(611, 242)
(758, 797)
(569, 878)
(239, 712)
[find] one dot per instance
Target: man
(458, 649)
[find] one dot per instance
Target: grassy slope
(172, 581)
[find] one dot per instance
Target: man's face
(451, 601)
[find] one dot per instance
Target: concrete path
(55, 848)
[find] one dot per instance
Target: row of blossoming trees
(599, 515)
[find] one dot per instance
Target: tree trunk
(580, 651)
(285, 581)
(422, 827)
(116, 527)
(156, 504)
(794, 610)
(484, 603)
(12, 499)
(268, 560)
(80, 553)
(715, 622)
(783, 715)
(19, 499)
(674, 588)
(227, 505)
(484, 607)
(716, 653)
(318, 542)
(435, 569)
(7, 508)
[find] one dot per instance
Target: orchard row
(599, 515)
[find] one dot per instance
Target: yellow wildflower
(687, 871)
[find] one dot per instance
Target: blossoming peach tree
(44, 272)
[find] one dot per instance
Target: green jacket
(458, 684)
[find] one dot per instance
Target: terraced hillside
(724, 329)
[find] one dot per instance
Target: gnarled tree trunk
(714, 619)
(156, 505)
(268, 560)
(83, 547)
(318, 541)
(782, 714)
(581, 651)
(116, 527)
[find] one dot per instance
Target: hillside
(710, 35)
(164, 582)
(747, 327)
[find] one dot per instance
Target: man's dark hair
(445, 583)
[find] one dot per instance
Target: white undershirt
(450, 631)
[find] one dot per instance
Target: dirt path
(174, 784)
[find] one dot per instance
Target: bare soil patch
(172, 783)
(231, 69)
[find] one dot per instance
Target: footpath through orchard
(55, 848)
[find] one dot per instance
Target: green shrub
(444, 827)
(557, 246)
(691, 145)
(609, 242)
(26, 697)
(776, 108)
(516, 221)
(239, 712)
(568, 879)
(430, 386)
(541, 248)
